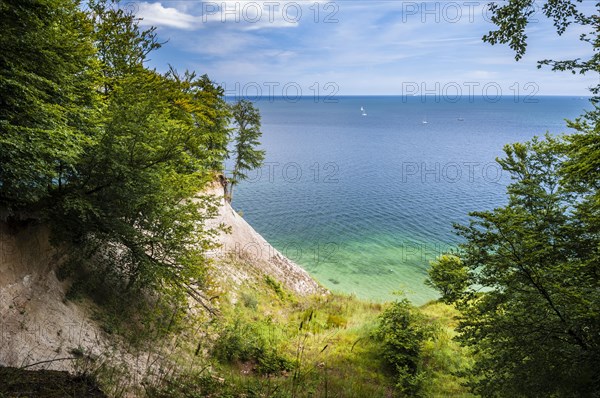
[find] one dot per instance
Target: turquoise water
(363, 203)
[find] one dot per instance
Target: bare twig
(48, 361)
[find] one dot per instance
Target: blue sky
(351, 47)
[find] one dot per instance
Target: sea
(363, 191)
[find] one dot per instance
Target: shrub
(276, 286)
(249, 300)
(336, 321)
(402, 332)
(243, 342)
(237, 342)
(271, 362)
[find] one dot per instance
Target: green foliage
(402, 332)
(249, 300)
(247, 125)
(535, 329)
(512, 17)
(210, 117)
(449, 276)
(336, 321)
(244, 342)
(329, 361)
(122, 47)
(237, 342)
(141, 318)
(138, 195)
(535, 326)
(445, 364)
(581, 168)
(110, 154)
(271, 362)
(47, 77)
(276, 286)
(326, 361)
(201, 384)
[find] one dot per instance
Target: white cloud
(370, 50)
(154, 14)
(233, 14)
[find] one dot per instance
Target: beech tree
(527, 277)
(527, 282)
(512, 19)
(109, 153)
(247, 157)
(48, 102)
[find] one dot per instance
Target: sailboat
(363, 111)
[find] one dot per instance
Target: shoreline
(244, 246)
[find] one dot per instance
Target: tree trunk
(229, 197)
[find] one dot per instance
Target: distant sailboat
(461, 119)
(363, 111)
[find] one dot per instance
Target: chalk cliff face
(245, 254)
(38, 324)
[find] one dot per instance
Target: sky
(320, 48)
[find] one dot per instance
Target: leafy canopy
(247, 157)
(512, 18)
(48, 107)
(527, 277)
(527, 281)
(111, 154)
